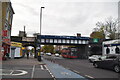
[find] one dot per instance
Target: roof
(62, 37)
(11, 7)
(117, 41)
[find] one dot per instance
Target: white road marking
(89, 76)
(76, 71)
(65, 73)
(11, 72)
(33, 70)
(46, 67)
(22, 72)
(42, 67)
(50, 72)
(52, 75)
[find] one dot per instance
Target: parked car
(42, 53)
(111, 62)
(94, 58)
(57, 55)
(49, 54)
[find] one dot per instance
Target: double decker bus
(70, 52)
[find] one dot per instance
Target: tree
(108, 28)
(33, 50)
(97, 34)
(48, 48)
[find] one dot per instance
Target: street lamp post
(39, 55)
(41, 20)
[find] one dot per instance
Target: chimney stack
(78, 35)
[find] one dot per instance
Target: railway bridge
(81, 42)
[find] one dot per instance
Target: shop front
(6, 48)
(16, 50)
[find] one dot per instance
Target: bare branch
(109, 27)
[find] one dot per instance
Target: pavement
(24, 68)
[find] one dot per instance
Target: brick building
(7, 17)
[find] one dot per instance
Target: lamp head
(42, 7)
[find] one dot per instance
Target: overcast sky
(61, 17)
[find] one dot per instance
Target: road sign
(29, 39)
(95, 40)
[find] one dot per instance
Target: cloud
(80, 0)
(61, 17)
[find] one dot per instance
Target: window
(117, 50)
(83, 42)
(72, 41)
(42, 40)
(59, 41)
(11, 17)
(47, 40)
(79, 41)
(55, 40)
(51, 40)
(68, 41)
(7, 14)
(5, 28)
(75, 41)
(9, 34)
(63, 41)
(107, 50)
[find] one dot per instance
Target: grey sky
(62, 17)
